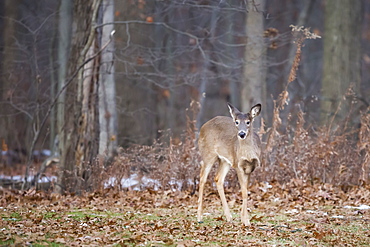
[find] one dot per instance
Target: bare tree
(107, 89)
(63, 46)
(342, 57)
(254, 89)
(80, 135)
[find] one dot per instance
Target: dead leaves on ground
(294, 214)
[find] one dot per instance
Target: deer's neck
(246, 147)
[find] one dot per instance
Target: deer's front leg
(205, 169)
(243, 176)
(220, 179)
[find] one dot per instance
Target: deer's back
(218, 126)
(218, 137)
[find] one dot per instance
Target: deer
(231, 142)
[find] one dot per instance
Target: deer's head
(243, 121)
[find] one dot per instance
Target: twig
(300, 34)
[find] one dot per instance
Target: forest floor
(294, 214)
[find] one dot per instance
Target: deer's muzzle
(242, 134)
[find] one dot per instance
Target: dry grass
(173, 165)
(305, 153)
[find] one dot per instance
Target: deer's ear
(233, 111)
(255, 110)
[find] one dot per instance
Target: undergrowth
(338, 156)
(305, 153)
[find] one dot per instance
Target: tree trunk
(63, 45)
(235, 74)
(107, 89)
(342, 57)
(253, 83)
(7, 69)
(80, 135)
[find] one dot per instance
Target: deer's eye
(248, 122)
(237, 122)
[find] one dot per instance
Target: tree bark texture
(80, 134)
(342, 57)
(63, 46)
(107, 89)
(253, 80)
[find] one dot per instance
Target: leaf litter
(293, 214)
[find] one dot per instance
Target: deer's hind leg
(206, 166)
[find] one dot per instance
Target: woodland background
(130, 103)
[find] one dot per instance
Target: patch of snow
(130, 182)
(46, 152)
(266, 187)
(292, 211)
(133, 182)
(361, 207)
(18, 177)
(316, 212)
(47, 179)
(110, 183)
(137, 183)
(338, 216)
(15, 178)
(44, 179)
(43, 152)
(148, 182)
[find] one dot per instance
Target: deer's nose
(242, 134)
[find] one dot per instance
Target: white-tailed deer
(231, 142)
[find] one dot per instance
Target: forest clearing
(294, 214)
(102, 104)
